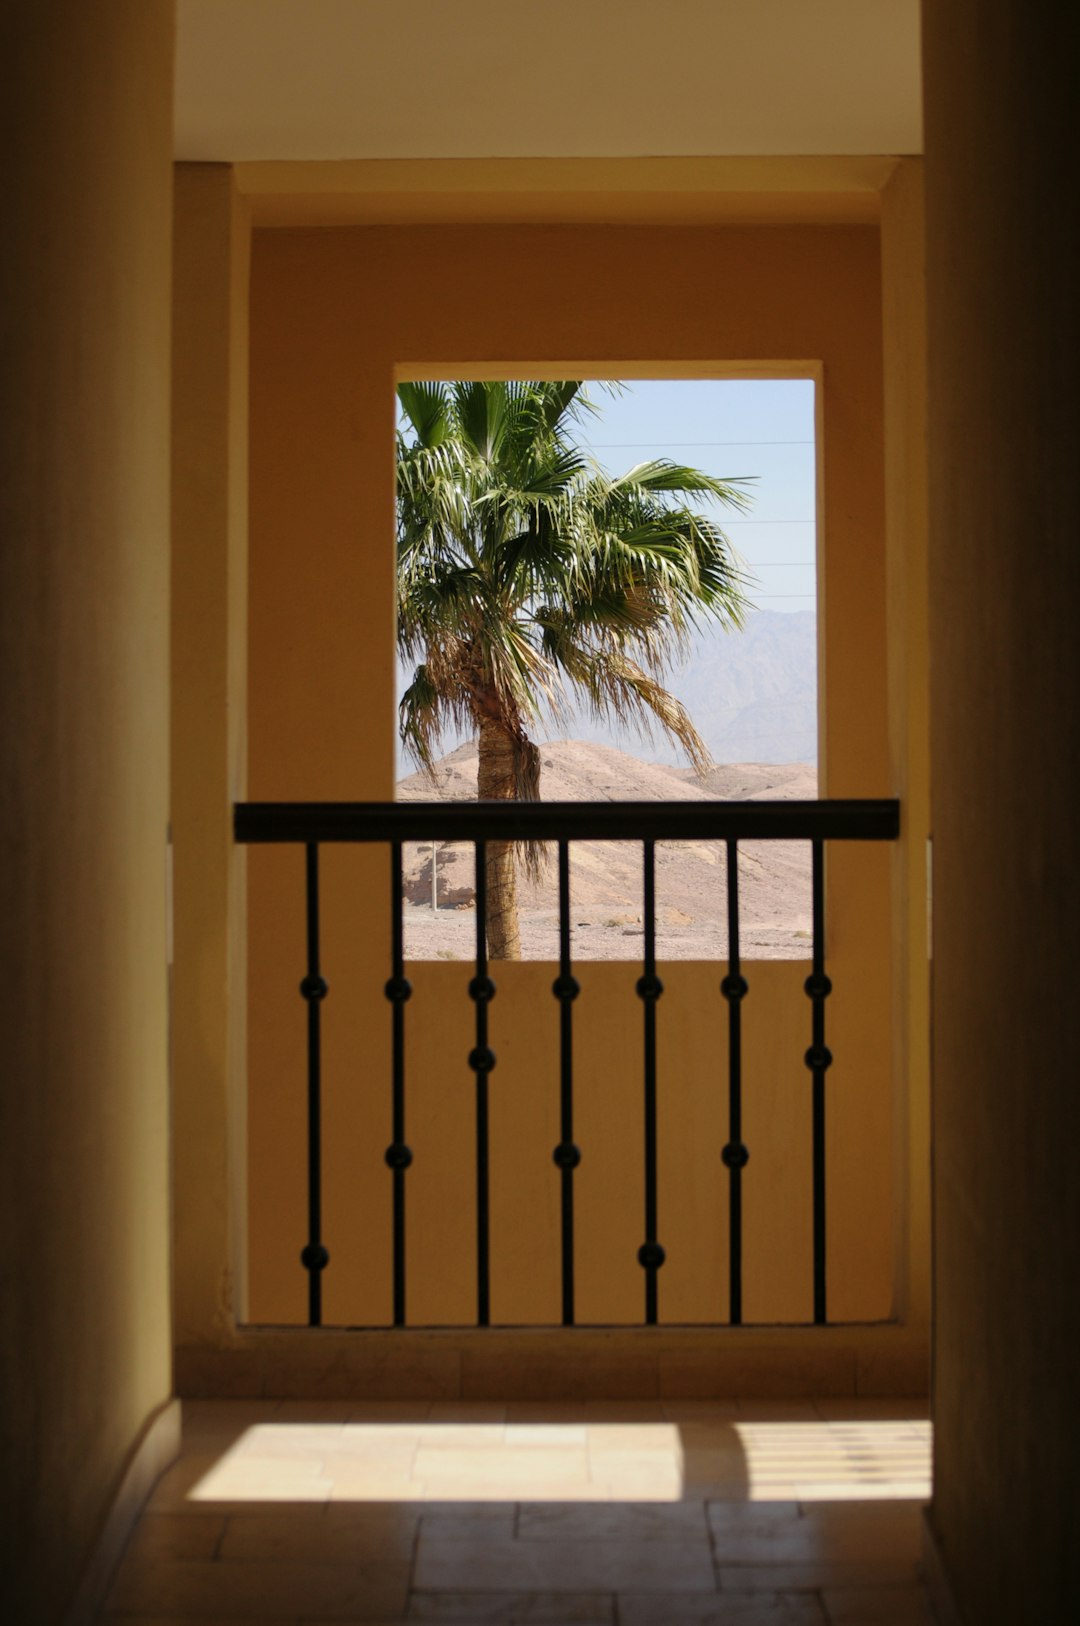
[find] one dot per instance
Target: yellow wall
(333, 314)
(209, 740)
(84, 515)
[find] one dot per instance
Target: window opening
(750, 693)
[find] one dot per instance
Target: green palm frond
(661, 475)
(426, 407)
(483, 417)
(524, 570)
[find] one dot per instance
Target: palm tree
(523, 570)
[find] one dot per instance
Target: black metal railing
(392, 824)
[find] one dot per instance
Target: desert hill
(606, 888)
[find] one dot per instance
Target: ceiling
(408, 79)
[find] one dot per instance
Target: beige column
(209, 748)
(903, 282)
(1002, 180)
(85, 161)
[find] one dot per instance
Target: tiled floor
(653, 1514)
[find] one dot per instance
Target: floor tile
(274, 1590)
(476, 1489)
(722, 1472)
(635, 1437)
(214, 1424)
(611, 1521)
(732, 1513)
(175, 1535)
(199, 1485)
(878, 1606)
(825, 1533)
(624, 1473)
(444, 1527)
(514, 1471)
(391, 1516)
(303, 1513)
(814, 1576)
(543, 1566)
(654, 1485)
(142, 1619)
(712, 1609)
(546, 1434)
(285, 1442)
(171, 1493)
(449, 1436)
(715, 1432)
(234, 1489)
(513, 1608)
(360, 1481)
(490, 1513)
(836, 1460)
(363, 1485)
(866, 1489)
(382, 1434)
(312, 1536)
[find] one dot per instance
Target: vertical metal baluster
(482, 1060)
(314, 1257)
(567, 1156)
(819, 1059)
(650, 1254)
(398, 1154)
(735, 1154)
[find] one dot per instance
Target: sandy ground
(605, 877)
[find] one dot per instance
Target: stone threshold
(556, 1363)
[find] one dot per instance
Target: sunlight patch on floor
(567, 1461)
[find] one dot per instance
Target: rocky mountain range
(751, 694)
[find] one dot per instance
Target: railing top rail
(845, 820)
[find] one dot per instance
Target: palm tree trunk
(497, 782)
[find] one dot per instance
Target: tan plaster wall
(84, 329)
(1003, 175)
(904, 325)
(333, 313)
(209, 742)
